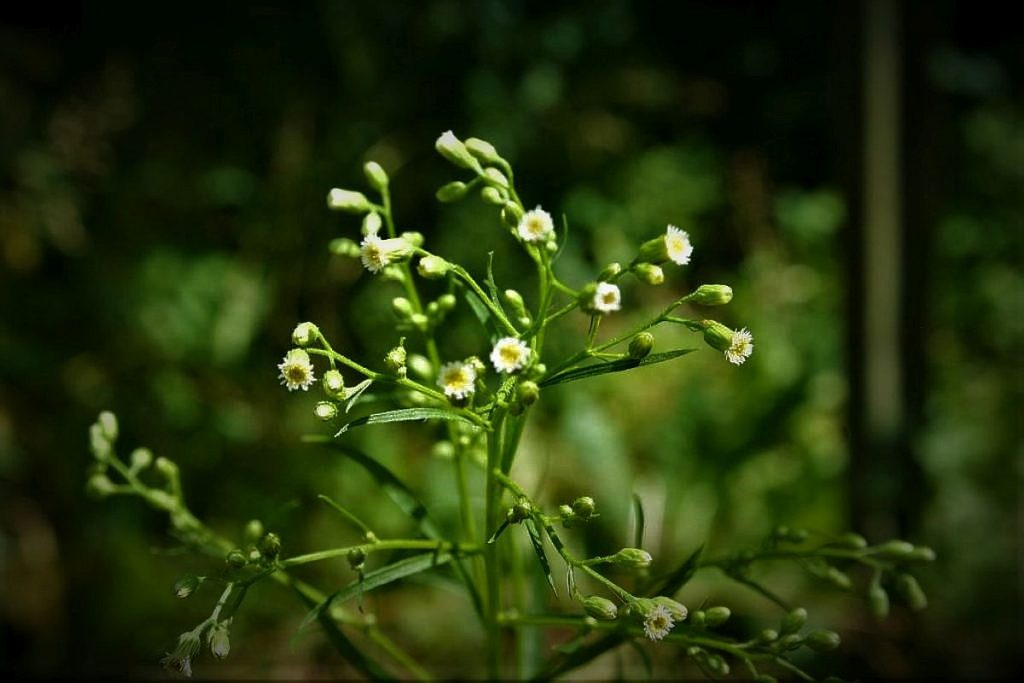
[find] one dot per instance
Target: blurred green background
(163, 227)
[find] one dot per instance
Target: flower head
(535, 226)
(740, 346)
(457, 379)
(607, 298)
(296, 370)
(376, 253)
(677, 245)
(510, 355)
(658, 622)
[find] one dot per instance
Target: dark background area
(853, 170)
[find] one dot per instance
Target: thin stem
(498, 314)
(397, 544)
(491, 559)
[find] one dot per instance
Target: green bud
(372, 223)
(610, 271)
(910, 590)
(446, 302)
(794, 621)
(536, 371)
(634, 558)
(253, 530)
(640, 346)
(141, 458)
(420, 366)
(784, 533)
(356, 557)
(433, 267)
(401, 307)
(443, 450)
(454, 150)
(236, 559)
(98, 442)
(325, 410)
(716, 616)
(838, 578)
(166, 467)
(717, 335)
(711, 295)
(852, 541)
(654, 251)
(790, 642)
(452, 192)
(676, 609)
(528, 392)
(496, 177)
(413, 237)
(600, 608)
(375, 175)
(185, 586)
(348, 201)
(921, 554)
(492, 195)
(483, 150)
(108, 423)
(649, 273)
(394, 361)
(584, 507)
(99, 486)
(768, 635)
(879, 600)
(717, 664)
(894, 550)
(220, 643)
(519, 511)
(420, 321)
(270, 546)
(822, 641)
(568, 518)
(511, 214)
(304, 334)
(343, 246)
(515, 300)
(393, 273)
(334, 384)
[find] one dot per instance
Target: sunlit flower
(607, 298)
(677, 245)
(535, 226)
(376, 253)
(296, 370)
(510, 355)
(740, 346)
(457, 379)
(658, 622)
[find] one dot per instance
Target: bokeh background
(854, 170)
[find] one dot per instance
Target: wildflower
(510, 355)
(296, 370)
(376, 253)
(607, 298)
(658, 622)
(325, 410)
(457, 379)
(737, 345)
(673, 246)
(535, 226)
(180, 659)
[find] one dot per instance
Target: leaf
(380, 577)
(357, 391)
(478, 307)
(638, 531)
(538, 547)
(612, 366)
(491, 287)
(405, 415)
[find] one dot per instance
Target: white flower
(740, 347)
(457, 379)
(677, 245)
(296, 370)
(510, 355)
(607, 298)
(376, 253)
(535, 226)
(658, 622)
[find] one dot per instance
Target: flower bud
(511, 214)
(519, 511)
(356, 557)
(634, 558)
(492, 195)
(676, 609)
(852, 541)
(325, 410)
(236, 558)
(375, 175)
(528, 392)
(419, 321)
(879, 600)
(348, 201)
(166, 467)
(910, 590)
(394, 361)
(822, 641)
(838, 578)
(515, 300)
(921, 553)
(108, 423)
(334, 383)
(697, 618)
(253, 530)
(99, 486)
(304, 334)
(98, 442)
(716, 616)
(717, 665)
(184, 586)
(649, 273)
(372, 223)
(768, 635)
(401, 307)
(610, 271)
(483, 150)
(220, 642)
(343, 246)
(790, 642)
(443, 450)
(433, 267)
(446, 302)
(420, 366)
(600, 608)
(451, 192)
(453, 149)
(793, 621)
(711, 295)
(141, 458)
(565, 512)
(496, 177)
(584, 507)
(270, 546)
(640, 346)
(413, 237)
(717, 335)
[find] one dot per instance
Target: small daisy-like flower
(740, 346)
(607, 298)
(510, 355)
(535, 226)
(658, 622)
(376, 253)
(457, 379)
(677, 245)
(296, 370)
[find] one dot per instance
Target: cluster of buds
(582, 510)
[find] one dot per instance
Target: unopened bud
(141, 458)
(99, 486)
(454, 150)
(768, 635)
(343, 246)
(304, 334)
(483, 150)
(640, 346)
(911, 592)
(492, 195)
(790, 642)
(676, 609)
(348, 201)
(584, 507)
(921, 553)
(452, 192)
(711, 295)
(446, 302)
(220, 642)
(822, 641)
(253, 530)
(236, 559)
(356, 557)
(649, 273)
(634, 558)
(610, 271)
(519, 511)
(717, 335)
(716, 616)
(879, 600)
(184, 586)
(108, 423)
(852, 541)
(334, 383)
(401, 307)
(793, 621)
(166, 467)
(395, 359)
(270, 546)
(496, 177)
(433, 267)
(838, 578)
(511, 214)
(325, 410)
(528, 392)
(375, 175)
(98, 442)
(567, 516)
(372, 223)
(413, 237)
(895, 550)
(600, 608)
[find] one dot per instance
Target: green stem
(498, 314)
(397, 544)
(491, 559)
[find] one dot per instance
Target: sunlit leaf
(612, 366)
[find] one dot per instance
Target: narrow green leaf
(357, 391)
(405, 415)
(492, 288)
(478, 307)
(538, 547)
(638, 530)
(345, 513)
(612, 366)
